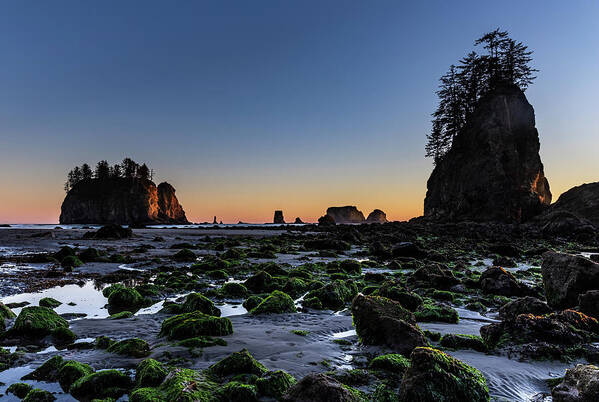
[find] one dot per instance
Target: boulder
(298, 221)
(567, 276)
(376, 216)
(498, 281)
(581, 201)
(121, 201)
(319, 388)
(559, 223)
(279, 217)
(523, 305)
(326, 220)
(347, 214)
(580, 384)
(381, 321)
(493, 171)
(435, 376)
(588, 303)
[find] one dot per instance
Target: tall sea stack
(122, 201)
(493, 171)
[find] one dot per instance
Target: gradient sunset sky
(251, 106)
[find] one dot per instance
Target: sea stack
(123, 201)
(493, 171)
(377, 216)
(279, 217)
(347, 214)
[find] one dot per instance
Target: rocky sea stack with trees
(122, 194)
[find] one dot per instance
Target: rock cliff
(347, 214)
(493, 172)
(122, 201)
(278, 218)
(582, 201)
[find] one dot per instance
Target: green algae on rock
(275, 383)
(101, 384)
(241, 362)
(133, 347)
(150, 373)
(36, 321)
(435, 376)
(189, 325)
(276, 303)
(71, 371)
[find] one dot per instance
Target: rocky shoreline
(346, 312)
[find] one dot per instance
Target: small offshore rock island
(119, 198)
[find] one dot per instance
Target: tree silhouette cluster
(128, 169)
(505, 61)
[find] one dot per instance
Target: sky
(250, 106)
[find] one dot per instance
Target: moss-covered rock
(150, 373)
(133, 347)
(104, 342)
(392, 362)
(233, 290)
(461, 341)
(70, 372)
(39, 395)
(19, 389)
(235, 391)
(63, 336)
(36, 321)
(429, 312)
(5, 312)
(90, 254)
(71, 261)
(260, 282)
(48, 371)
(101, 384)
(435, 376)
(189, 325)
(185, 255)
(252, 302)
(121, 315)
(49, 302)
(198, 302)
(275, 383)
(121, 299)
(185, 385)
(335, 295)
(276, 303)
(381, 321)
(109, 289)
(241, 362)
(146, 395)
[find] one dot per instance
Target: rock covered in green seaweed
(189, 325)
(276, 303)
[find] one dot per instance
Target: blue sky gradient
(246, 107)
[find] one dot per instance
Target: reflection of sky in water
(88, 299)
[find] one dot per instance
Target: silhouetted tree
(102, 170)
(506, 62)
(143, 172)
(86, 172)
(115, 171)
(129, 168)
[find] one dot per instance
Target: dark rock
(298, 221)
(319, 388)
(493, 171)
(381, 321)
(580, 384)
(523, 305)
(279, 217)
(433, 276)
(498, 281)
(559, 223)
(589, 303)
(567, 276)
(121, 201)
(433, 374)
(326, 220)
(376, 216)
(347, 214)
(581, 201)
(112, 231)
(408, 249)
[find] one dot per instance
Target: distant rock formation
(214, 221)
(581, 201)
(298, 221)
(326, 220)
(278, 217)
(347, 214)
(377, 216)
(493, 171)
(121, 201)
